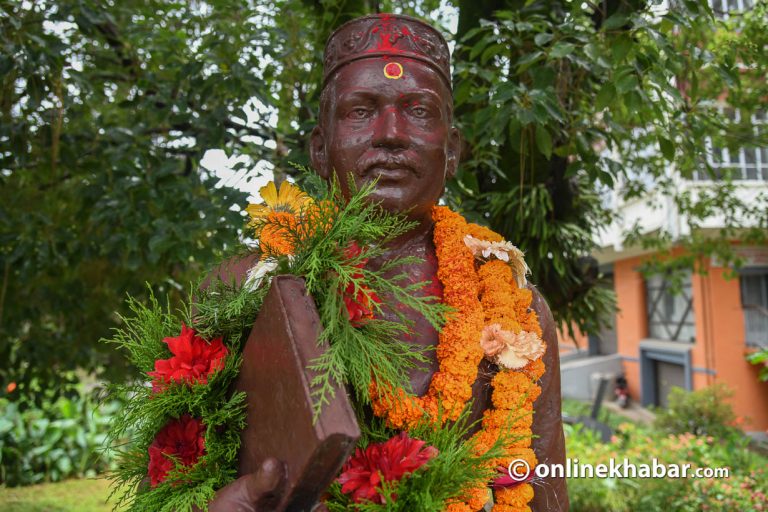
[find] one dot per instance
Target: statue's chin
(391, 199)
(403, 195)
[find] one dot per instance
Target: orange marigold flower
(483, 232)
(275, 237)
(515, 497)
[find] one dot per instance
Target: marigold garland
(481, 294)
(458, 351)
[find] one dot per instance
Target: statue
(386, 114)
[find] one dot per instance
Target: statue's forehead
(389, 73)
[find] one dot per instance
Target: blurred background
(621, 144)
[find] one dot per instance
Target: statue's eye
(358, 113)
(419, 111)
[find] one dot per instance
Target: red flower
(504, 479)
(383, 462)
(358, 304)
(193, 361)
(183, 440)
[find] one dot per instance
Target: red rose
(382, 462)
(183, 440)
(193, 361)
(358, 304)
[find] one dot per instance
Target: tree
(615, 95)
(107, 110)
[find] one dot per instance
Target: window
(670, 315)
(721, 8)
(744, 163)
(754, 301)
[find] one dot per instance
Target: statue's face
(396, 130)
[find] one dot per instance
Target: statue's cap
(387, 35)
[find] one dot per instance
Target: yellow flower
(290, 199)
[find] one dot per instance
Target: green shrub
(744, 489)
(760, 358)
(61, 439)
(704, 412)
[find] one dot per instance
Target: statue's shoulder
(541, 307)
(232, 270)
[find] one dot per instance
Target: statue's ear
(317, 153)
(453, 153)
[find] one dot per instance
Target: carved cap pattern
(381, 35)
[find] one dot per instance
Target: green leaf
(477, 48)
(513, 133)
(620, 48)
(493, 50)
(626, 83)
(667, 148)
(561, 50)
(544, 141)
(606, 96)
(543, 38)
(528, 60)
(615, 21)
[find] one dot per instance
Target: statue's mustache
(386, 161)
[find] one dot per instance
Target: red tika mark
(387, 38)
(393, 70)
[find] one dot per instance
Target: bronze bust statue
(386, 113)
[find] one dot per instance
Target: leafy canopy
(107, 110)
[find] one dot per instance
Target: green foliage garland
(357, 354)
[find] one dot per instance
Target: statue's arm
(551, 494)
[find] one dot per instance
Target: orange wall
(569, 343)
(720, 338)
(725, 346)
(631, 322)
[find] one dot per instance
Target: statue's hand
(258, 492)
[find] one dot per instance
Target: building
(700, 335)
(693, 338)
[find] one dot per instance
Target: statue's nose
(390, 130)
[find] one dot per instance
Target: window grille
(754, 301)
(670, 315)
(749, 164)
(722, 8)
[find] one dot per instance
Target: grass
(86, 495)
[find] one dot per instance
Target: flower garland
(458, 352)
(492, 317)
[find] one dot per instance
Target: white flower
(504, 251)
(508, 349)
(257, 273)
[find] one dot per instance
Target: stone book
(275, 377)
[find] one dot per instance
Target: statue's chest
(423, 334)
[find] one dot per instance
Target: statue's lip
(388, 173)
